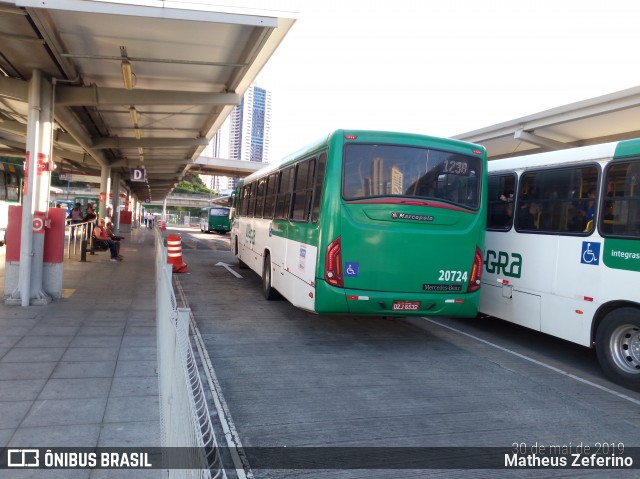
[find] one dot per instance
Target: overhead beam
(540, 140)
(117, 142)
(70, 123)
(148, 162)
(14, 89)
(95, 96)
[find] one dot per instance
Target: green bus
(215, 218)
(368, 223)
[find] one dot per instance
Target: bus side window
(317, 187)
(3, 186)
(303, 189)
(270, 196)
(244, 201)
(557, 200)
(283, 201)
(622, 202)
(260, 197)
(252, 199)
(13, 187)
(500, 205)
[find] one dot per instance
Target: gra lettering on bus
(251, 235)
(502, 263)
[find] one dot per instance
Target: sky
(443, 67)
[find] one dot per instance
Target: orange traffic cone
(174, 253)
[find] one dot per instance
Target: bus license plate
(406, 305)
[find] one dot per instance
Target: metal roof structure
(606, 118)
(134, 85)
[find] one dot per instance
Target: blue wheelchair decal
(351, 269)
(590, 253)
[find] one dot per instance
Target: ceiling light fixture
(127, 75)
(134, 115)
(127, 69)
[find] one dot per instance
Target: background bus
(564, 257)
(66, 204)
(215, 218)
(11, 176)
(368, 223)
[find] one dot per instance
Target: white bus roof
(571, 155)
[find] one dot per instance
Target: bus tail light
(476, 272)
(333, 264)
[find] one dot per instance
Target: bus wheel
(618, 347)
(268, 291)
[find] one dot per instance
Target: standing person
(90, 214)
(89, 217)
(76, 217)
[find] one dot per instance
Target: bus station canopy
(136, 84)
(606, 118)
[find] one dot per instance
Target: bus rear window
(219, 212)
(371, 171)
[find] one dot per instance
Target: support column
(164, 210)
(135, 208)
(115, 200)
(35, 195)
(105, 179)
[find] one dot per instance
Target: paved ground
(295, 379)
(81, 371)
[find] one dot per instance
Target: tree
(192, 183)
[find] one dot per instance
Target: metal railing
(185, 421)
(78, 238)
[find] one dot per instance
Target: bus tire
(618, 347)
(268, 291)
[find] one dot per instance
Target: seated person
(112, 236)
(100, 237)
(526, 217)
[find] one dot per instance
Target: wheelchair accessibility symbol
(351, 269)
(590, 253)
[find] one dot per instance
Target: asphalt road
(293, 379)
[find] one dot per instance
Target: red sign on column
(103, 197)
(38, 222)
(43, 163)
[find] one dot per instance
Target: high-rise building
(246, 132)
(250, 124)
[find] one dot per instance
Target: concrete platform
(81, 371)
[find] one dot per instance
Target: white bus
(11, 178)
(562, 252)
